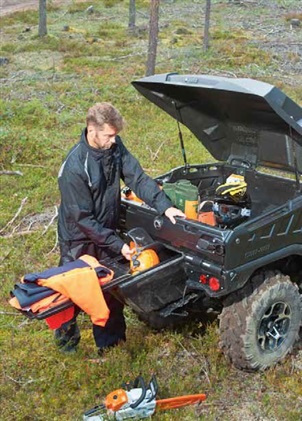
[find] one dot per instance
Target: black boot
(68, 336)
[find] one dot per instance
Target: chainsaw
(137, 400)
(144, 255)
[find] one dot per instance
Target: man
(89, 182)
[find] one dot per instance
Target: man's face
(101, 137)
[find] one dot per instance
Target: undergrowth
(47, 86)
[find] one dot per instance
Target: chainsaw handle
(153, 386)
(139, 382)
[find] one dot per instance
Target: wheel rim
(274, 326)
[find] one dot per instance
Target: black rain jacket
(89, 183)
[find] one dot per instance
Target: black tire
(260, 323)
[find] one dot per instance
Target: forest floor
(46, 87)
(12, 6)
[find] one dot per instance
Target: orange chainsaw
(136, 400)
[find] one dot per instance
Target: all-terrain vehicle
(238, 254)
(247, 265)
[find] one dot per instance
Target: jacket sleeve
(78, 207)
(142, 185)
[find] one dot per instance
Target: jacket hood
(237, 120)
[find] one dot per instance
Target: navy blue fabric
(77, 264)
(27, 294)
(102, 272)
(32, 289)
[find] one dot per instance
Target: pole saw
(136, 400)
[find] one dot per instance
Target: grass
(46, 89)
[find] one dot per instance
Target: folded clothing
(78, 281)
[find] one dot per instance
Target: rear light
(203, 279)
(214, 284)
(211, 281)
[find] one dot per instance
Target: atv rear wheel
(260, 323)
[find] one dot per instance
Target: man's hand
(127, 252)
(172, 212)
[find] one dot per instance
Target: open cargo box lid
(242, 121)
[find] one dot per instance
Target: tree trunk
(153, 37)
(42, 18)
(206, 37)
(132, 14)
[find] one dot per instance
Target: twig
(31, 165)
(6, 172)
(17, 234)
(10, 313)
(4, 257)
(23, 382)
(144, 15)
(204, 362)
(123, 57)
(16, 227)
(51, 221)
(25, 322)
(12, 379)
(55, 246)
(154, 155)
(23, 201)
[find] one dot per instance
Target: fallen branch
(10, 313)
(154, 155)
(31, 165)
(55, 246)
(204, 361)
(123, 57)
(31, 223)
(23, 201)
(5, 257)
(51, 221)
(6, 172)
(17, 234)
(23, 382)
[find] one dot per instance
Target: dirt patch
(12, 6)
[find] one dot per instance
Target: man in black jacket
(89, 182)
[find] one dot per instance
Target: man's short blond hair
(105, 113)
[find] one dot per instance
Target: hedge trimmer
(136, 400)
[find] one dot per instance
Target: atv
(247, 265)
(238, 253)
